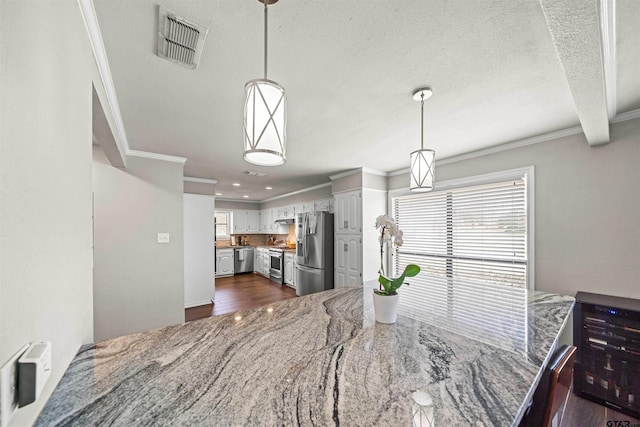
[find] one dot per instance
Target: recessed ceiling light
(235, 184)
(268, 188)
(245, 196)
(218, 194)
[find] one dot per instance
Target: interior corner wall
(587, 205)
(45, 185)
(138, 283)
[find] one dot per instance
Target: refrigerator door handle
(316, 271)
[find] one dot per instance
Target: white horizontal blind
(471, 244)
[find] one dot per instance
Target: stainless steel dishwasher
(243, 260)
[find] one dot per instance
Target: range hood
(284, 221)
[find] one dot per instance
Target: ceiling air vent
(252, 173)
(180, 40)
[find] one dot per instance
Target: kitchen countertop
(315, 360)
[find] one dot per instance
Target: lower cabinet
(261, 261)
(348, 256)
(224, 262)
(289, 269)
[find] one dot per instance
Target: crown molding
(502, 147)
(88, 13)
(345, 173)
(156, 156)
(608, 36)
(293, 193)
(222, 199)
(629, 115)
(200, 180)
(375, 172)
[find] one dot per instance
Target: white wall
(587, 209)
(138, 283)
(45, 184)
(199, 250)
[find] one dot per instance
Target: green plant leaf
(391, 285)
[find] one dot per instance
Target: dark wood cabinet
(606, 332)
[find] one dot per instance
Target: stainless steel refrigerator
(314, 252)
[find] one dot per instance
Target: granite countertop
(320, 359)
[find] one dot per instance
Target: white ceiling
(349, 69)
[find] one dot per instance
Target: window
(470, 239)
(222, 225)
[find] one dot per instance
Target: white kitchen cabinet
(238, 221)
(266, 220)
(266, 262)
(261, 261)
(348, 212)
(324, 205)
(245, 221)
(224, 262)
(309, 207)
(257, 260)
(253, 221)
(289, 269)
(348, 259)
(286, 212)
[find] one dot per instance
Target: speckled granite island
(314, 360)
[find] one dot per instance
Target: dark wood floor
(241, 292)
(250, 290)
(585, 413)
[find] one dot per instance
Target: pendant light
(422, 160)
(265, 116)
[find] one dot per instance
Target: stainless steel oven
(276, 263)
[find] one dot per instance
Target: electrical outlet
(9, 387)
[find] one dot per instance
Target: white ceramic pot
(385, 307)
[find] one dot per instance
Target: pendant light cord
(422, 121)
(265, 40)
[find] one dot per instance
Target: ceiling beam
(575, 29)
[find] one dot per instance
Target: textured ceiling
(349, 69)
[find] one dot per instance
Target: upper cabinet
(324, 205)
(286, 212)
(253, 221)
(348, 212)
(245, 221)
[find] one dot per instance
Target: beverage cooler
(606, 332)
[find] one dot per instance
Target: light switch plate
(9, 387)
(163, 237)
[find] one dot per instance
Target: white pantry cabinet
(357, 250)
(348, 258)
(348, 212)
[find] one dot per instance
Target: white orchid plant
(391, 235)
